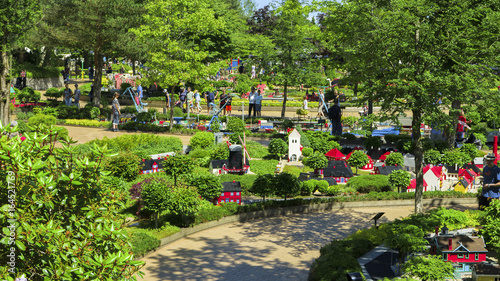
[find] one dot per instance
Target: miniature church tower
(294, 146)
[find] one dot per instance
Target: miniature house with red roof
(151, 166)
(231, 192)
(434, 176)
(383, 156)
(461, 250)
(335, 154)
(368, 166)
(413, 186)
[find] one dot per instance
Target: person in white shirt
(258, 103)
(251, 102)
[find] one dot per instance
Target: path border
(305, 209)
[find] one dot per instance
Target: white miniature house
(294, 146)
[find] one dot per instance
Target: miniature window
(232, 200)
(466, 256)
(222, 194)
(476, 256)
(238, 201)
(227, 200)
(237, 193)
(445, 257)
(232, 193)
(460, 256)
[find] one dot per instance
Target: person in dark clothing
(335, 115)
(241, 69)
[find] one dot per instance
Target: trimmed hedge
(369, 183)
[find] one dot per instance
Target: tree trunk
(283, 109)
(133, 68)
(98, 62)
(419, 156)
(450, 133)
(4, 89)
(171, 126)
(355, 89)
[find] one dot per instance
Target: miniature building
(463, 185)
(383, 156)
(339, 170)
(231, 192)
(413, 186)
(434, 176)
(151, 166)
(335, 154)
(386, 170)
(461, 250)
(294, 147)
(235, 162)
(216, 166)
(409, 162)
(486, 272)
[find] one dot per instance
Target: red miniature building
(335, 154)
(231, 192)
(462, 250)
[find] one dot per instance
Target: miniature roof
(294, 134)
(465, 173)
(375, 154)
(463, 181)
(473, 168)
(231, 186)
(337, 169)
(413, 184)
(487, 269)
(384, 155)
(386, 170)
(335, 153)
(451, 169)
(437, 170)
(461, 243)
(219, 163)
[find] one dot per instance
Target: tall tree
(410, 51)
(173, 26)
(291, 36)
(17, 17)
(97, 25)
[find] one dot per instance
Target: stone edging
(313, 208)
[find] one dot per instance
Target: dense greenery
(369, 183)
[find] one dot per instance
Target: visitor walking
(251, 102)
(190, 99)
(182, 98)
(335, 116)
(258, 102)
(91, 73)
(222, 101)
(115, 110)
(76, 96)
(197, 101)
(491, 181)
(23, 77)
(68, 93)
(304, 104)
(462, 125)
(228, 104)
(320, 104)
(209, 98)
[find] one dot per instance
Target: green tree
(286, 185)
(430, 267)
(156, 196)
(100, 26)
(66, 224)
(454, 157)
(400, 179)
(178, 165)
(358, 159)
(316, 161)
(208, 185)
(396, 45)
(263, 186)
(395, 159)
(237, 127)
(432, 156)
(18, 17)
(221, 151)
(469, 150)
(202, 140)
(405, 238)
(278, 147)
(491, 223)
(173, 27)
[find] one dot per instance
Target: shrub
(143, 243)
(394, 159)
(369, 183)
(221, 151)
(50, 111)
(372, 142)
(322, 186)
(54, 93)
(348, 136)
(307, 151)
(21, 116)
(202, 140)
(332, 266)
(390, 138)
(125, 165)
(39, 119)
(432, 157)
(306, 188)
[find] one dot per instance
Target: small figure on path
(115, 109)
(76, 96)
(68, 93)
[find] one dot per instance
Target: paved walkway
(280, 248)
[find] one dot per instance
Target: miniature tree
(307, 151)
(176, 166)
(454, 157)
(221, 151)
(400, 179)
(430, 267)
(208, 186)
(202, 140)
(394, 159)
(316, 161)
(237, 127)
(470, 151)
(405, 238)
(432, 157)
(358, 159)
(156, 196)
(263, 186)
(278, 147)
(286, 185)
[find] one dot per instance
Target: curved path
(279, 248)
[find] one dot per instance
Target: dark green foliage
(358, 159)
(208, 186)
(394, 159)
(237, 127)
(142, 145)
(50, 111)
(432, 157)
(322, 186)
(373, 142)
(470, 151)
(316, 161)
(202, 140)
(406, 146)
(54, 93)
(428, 144)
(307, 151)
(178, 165)
(369, 183)
(113, 183)
(143, 243)
(400, 179)
(264, 186)
(286, 185)
(306, 188)
(125, 165)
(348, 136)
(454, 157)
(28, 95)
(277, 147)
(389, 138)
(221, 151)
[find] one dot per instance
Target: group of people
(255, 102)
(190, 101)
(72, 97)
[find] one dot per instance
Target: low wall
(42, 84)
(436, 202)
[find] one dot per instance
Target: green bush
(50, 111)
(39, 119)
(54, 93)
(263, 166)
(373, 142)
(21, 116)
(125, 165)
(322, 186)
(29, 95)
(221, 151)
(337, 259)
(141, 145)
(306, 188)
(143, 243)
(369, 183)
(202, 140)
(307, 151)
